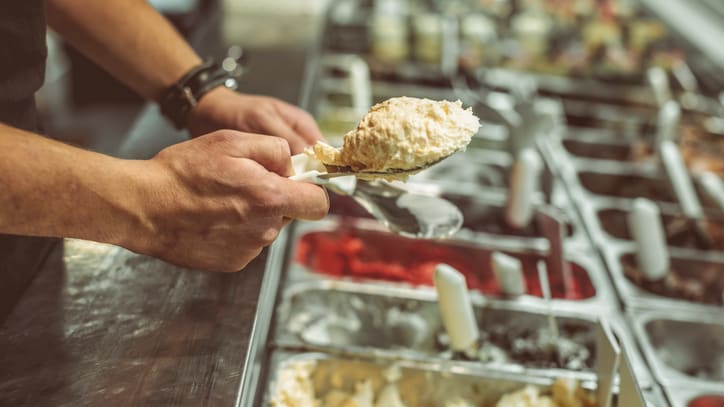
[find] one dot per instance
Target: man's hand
(216, 201)
(223, 108)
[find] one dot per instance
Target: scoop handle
(680, 180)
(302, 164)
(509, 274)
(524, 181)
(644, 223)
(309, 176)
(455, 308)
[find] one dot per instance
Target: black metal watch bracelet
(180, 98)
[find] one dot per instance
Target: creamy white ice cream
(403, 133)
(294, 386)
(565, 393)
(529, 396)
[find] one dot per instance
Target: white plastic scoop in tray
(456, 309)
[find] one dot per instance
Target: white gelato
(565, 393)
(529, 396)
(402, 133)
(294, 386)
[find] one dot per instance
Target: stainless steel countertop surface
(100, 325)
(103, 326)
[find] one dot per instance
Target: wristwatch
(180, 98)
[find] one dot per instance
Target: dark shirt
(22, 70)
(22, 60)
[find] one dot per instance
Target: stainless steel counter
(101, 325)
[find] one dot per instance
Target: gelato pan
(701, 151)
(402, 134)
(631, 186)
(327, 382)
(691, 348)
(688, 280)
(344, 319)
(483, 216)
(677, 228)
(377, 255)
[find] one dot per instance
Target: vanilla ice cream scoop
(401, 135)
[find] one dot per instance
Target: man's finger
(276, 126)
(305, 201)
(270, 152)
(302, 122)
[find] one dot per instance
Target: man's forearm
(128, 38)
(51, 189)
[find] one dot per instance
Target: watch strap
(179, 99)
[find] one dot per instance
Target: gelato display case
(563, 187)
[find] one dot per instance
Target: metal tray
(691, 265)
(613, 221)
(418, 383)
(415, 259)
(679, 345)
(598, 186)
(395, 322)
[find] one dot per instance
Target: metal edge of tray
(256, 351)
(604, 294)
(655, 396)
(633, 296)
(523, 305)
(282, 359)
(668, 376)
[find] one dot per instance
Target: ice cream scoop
(400, 136)
(401, 211)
